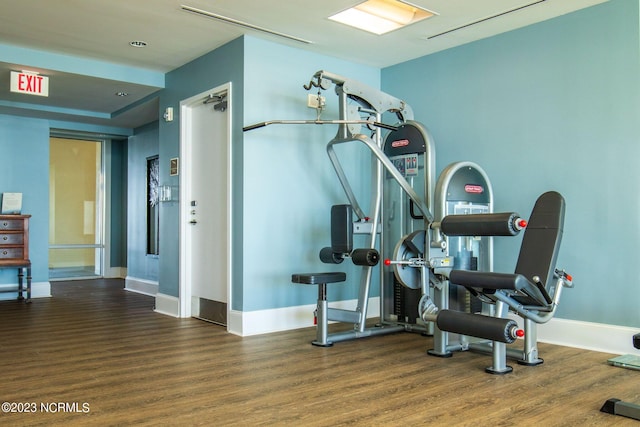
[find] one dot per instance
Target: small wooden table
(14, 250)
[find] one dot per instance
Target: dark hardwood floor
(95, 354)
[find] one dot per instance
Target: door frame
(102, 242)
(186, 106)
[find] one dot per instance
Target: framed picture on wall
(173, 167)
(11, 203)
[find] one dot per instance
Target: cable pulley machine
(361, 110)
(436, 245)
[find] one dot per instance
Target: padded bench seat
(322, 309)
(491, 282)
(318, 278)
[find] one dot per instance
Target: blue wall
(554, 105)
(214, 69)
(289, 183)
(118, 212)
(142, 145)
(283, 184)
(551, 106)
(24, 144)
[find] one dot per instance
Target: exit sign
(29, 83)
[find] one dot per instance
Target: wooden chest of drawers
(14, 249)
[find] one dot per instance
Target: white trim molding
(115, 273)
(141, 286)
(167, 304)
(247, 323)
(589, 336)
(598, 337)
(186, 137)
(38, 290)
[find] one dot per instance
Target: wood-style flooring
(95, 354)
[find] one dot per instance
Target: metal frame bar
(441, 345)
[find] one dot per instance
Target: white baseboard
(38, 290)
(115, 272)
(570, 333)
(167, 304)
(586, 335)
(141, 286)
(589, 336)
(284, 319)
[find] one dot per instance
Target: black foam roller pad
(329, 257)
(368, 257)
(477, 325)
(496, 224)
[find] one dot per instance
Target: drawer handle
(4, 252)
(4, 224)
(5, 238)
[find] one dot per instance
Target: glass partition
(75, 208)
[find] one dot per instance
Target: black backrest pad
(341, 228)
(542, 237)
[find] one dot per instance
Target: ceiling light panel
(382, 16)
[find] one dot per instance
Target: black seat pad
(537, 257)
(317, 278)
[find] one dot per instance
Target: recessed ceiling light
(382, 16)
(122, 94)
(138, 43)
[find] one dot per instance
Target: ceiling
(83, 45)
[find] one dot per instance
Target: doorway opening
(76, 200)
(205, 206)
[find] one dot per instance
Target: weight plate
(411, 246)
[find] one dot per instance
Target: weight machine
(615, 406)
(423, 283)
(361, 110)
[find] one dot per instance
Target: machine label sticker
(473, 189)
(411, 168)
(400, 143)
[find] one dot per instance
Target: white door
(205, 202)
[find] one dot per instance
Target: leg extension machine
(618, 407)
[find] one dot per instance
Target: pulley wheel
(411, 246)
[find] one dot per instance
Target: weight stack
(405, 302)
